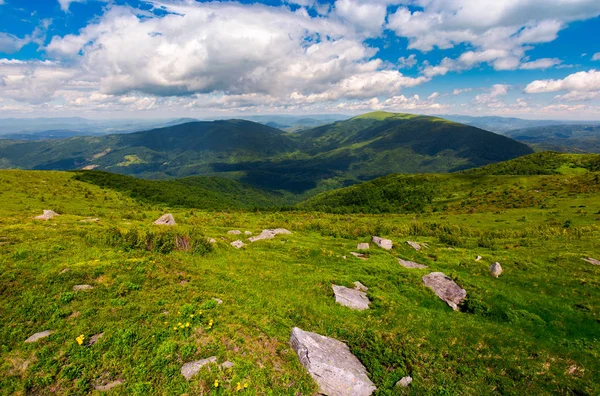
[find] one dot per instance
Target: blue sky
(164, 58)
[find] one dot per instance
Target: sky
(537, 59)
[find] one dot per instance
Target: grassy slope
(532, 331)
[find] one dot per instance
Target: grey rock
(359, 255)
(411, 264)
(108, 386)
(212, 240)
(269, 234)
(90, 220)
(360, 286)
(247, 232)
(414, 245)
(496, 269)
(39, 336)
(331, 364)
(445, 288)
(479, 258)
(238, 244)
(382, 243)
(362, 246)
(48, 214)
(82, 287)
(226, 365)
(218, 300)
(190, 369)
(234, 232)
(592, 261)
(166, 219)
(404, 382)
(351, 298)
(94, 339)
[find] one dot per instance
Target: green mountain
(318, 159)
(565, 138)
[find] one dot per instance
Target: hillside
(571, 138)
(335, 155)
(158, 298)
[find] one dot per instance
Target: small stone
(362, 246)
(226, 365)
(351, 298)
(496, 269)
(218, 300)
(64, 271)
(90, 220)
(238, 244)
(359, 255)
(269, 234)
(212, 240)
(108, 386)
(334, 368)
(414, 245)
(94, 339)
(404, 382)
(48, 214)
(82, 287)
(247, 232)
(411, 264)
(166, 219)
(234, 232)
(445, 288)
(382, 243)
(190, 369)
(39, 336)
(592, 261)
(479, 258)
(344, 257)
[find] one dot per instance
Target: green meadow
(534, 330)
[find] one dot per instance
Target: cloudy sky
(159, 58)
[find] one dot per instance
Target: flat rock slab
(47, 215)
(359, 255)
(411, 264)
(82, 287)
(352, 298)
(592, 261)
(190, 369)
(247, 232)
(269, 234)
(414, 245)
(226, 365)
(362, 246)
(237, 244)
(39, 336)
(166, 219)
(108, 386)
(331, 364)
(496, 269)
(234, 232)
(382, 243)
(445, 288)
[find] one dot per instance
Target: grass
(535, 330)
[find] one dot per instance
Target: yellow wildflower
(179, 324)
(216, 383)
(239, 387)
(175, 328)
(80, 339)
(187, 324)
(192, 316)
(246, 385)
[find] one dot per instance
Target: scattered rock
(247, 232)
(48, 214)
(411, 264)
(359, 255)
(496, 269)
(352, 298)
(226, 365)
(445, 288)
(382, 243)
(65, 270)
(39, 336)
(190, 369)
(269, 234)
(331, 364)
(404, 382)
(234, 232)
(218, 300)
(212, 240)
(479, 258)
(238, 244)
(362, 246)
(94, 339)
(90, 220)
(166, 219)
(414, 245)
(592, 261)
(344, 257)
(108, 386)
(82, 287)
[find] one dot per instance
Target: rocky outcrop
(445, 288)
(411, 264)
(166, 219)
(234, 232)
(352, 298)
(592, 261)
(362, 246)
(414, 245)
(496, 269)
(190, 369)
(404, 382)
(238, 244)
(359, 255)
(269, 234)
(82, 287)
(47, 215)
(334, 368)
(382, 243)
(39, 336)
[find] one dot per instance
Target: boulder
(362, 246)
(445, 288)
(382, 243)
(496, 269)
(238, 244)
(411, 264)
(414, 245)
(330, 363)
(269, 234)
(166, 219)
(359, 255)
(82, 287)
(592, 261)
(404, 382)
(190, 369)
(48, 214)
(39, 336)
(234, 232)
(352, 298)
